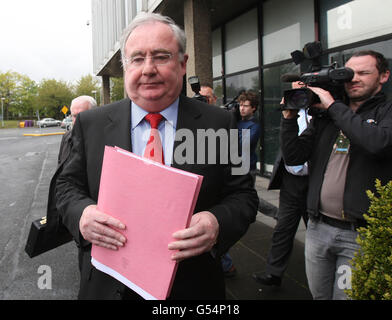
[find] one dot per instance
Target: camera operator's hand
(288, 114)
(325, 98)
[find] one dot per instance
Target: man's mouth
(151, 83)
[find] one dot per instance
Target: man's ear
(186, 57)
(183, 63)
(384, 77)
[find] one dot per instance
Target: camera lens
(300, 99)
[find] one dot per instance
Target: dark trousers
(292, 206)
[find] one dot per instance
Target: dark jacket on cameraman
(370, 134)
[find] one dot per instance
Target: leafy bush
(372, 264)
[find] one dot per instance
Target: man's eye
(161, 58)
(137, 60)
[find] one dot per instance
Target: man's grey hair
(88, 99)
(148, 17)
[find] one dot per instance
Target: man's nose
(355, 77)
(149, 67)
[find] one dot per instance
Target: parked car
(48, 122)
(67, 123)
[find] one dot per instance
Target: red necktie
(154, 150)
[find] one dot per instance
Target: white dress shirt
(140, 130)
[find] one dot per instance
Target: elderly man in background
(79, 104)
(54, 224)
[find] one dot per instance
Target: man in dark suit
(78, 105)
(54, 225)
(154, 67)
(292, 206)
(293, 184)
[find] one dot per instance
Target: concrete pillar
(105, 90)
(197, 27)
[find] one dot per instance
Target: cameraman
(348, 147)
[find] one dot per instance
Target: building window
(273, 89)
(217, 53)
(244, 81)
(218, 91)
(241, 52)
(287, 26)
(344, 22)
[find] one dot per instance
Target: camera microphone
(290, 77)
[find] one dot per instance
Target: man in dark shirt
(348, 147)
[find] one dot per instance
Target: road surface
(26, 167)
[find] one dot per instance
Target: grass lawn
(8, 124)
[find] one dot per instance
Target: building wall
(109, 19)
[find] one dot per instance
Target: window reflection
(346, 22)
(216, 53)
(242, 43)
(286, 30)
(218, 91)
(245, 81)
(273, 92)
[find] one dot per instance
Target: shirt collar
(170, 114)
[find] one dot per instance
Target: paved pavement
(26, 165)
(250, 255)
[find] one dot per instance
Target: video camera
(330, 78)
(234, 106)
(195, 85)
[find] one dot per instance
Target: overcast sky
(46, 38)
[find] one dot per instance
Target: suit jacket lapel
(187, 119)
(117, 131)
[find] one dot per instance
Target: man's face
(367, 80)
(246, 109)
(153, 87)
(207, 92)
(77, 107)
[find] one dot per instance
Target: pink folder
(153, 201)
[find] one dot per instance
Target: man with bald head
(154, 61)
(79, 104)
(208, 92)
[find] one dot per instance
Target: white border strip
(122, 279)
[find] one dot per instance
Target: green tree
(117, 90)
(52, 96)
(25, 98)
(88, 86)
(20, 94)
(7, 88)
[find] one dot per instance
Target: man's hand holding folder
(200, 237)
(101, 229)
